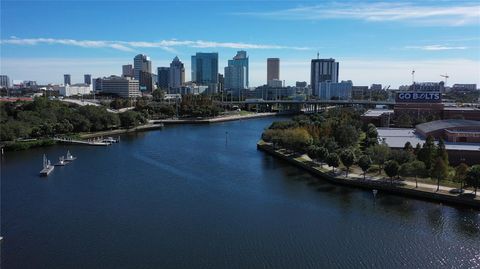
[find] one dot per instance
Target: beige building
(273, 69)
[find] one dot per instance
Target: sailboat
(47, 166)
(70, 157)
(61, 161)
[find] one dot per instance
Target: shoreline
(397, 189)
(216, 119)
(140, 128)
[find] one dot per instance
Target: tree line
(338, 137)
(46, 118)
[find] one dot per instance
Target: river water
(195, 196)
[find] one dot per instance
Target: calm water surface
(187, 197)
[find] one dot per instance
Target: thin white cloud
(460, 13)
(437, 47)
(168, 45)
(362, 71)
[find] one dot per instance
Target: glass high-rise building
(205, 70)
(141, 63)
(236, 73)
(177, 74)
(87, 79)
(323, 70)
(67, 80)
(163, 74)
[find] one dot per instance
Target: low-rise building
(126, 87)
(451, 130)
(75, 89)
(396, 138)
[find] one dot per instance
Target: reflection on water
(181, 198)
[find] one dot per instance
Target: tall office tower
(273, 69)
(146, 81)
(177, 74)
(236, 73)
(67, 79)
(205, 70)
(141, 63)
(127, 71)
(87, 79)
(4, 81)
(163, 74)
(323, 70)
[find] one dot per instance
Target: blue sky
(375, 42)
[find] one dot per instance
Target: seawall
(442, 197)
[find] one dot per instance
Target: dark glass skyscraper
(163, 74)
(67, 80)
(205, 70)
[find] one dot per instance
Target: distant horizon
(374, 42)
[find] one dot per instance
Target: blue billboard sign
(419, 97)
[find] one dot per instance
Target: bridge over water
(305, 105)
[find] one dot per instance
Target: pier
(82, 142)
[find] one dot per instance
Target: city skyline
(375, 42)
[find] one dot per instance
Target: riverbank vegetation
(338, 138)
(45, 118)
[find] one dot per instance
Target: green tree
(321, 154)
(379, 155)
(405, 170)
(333, 160)
(391, 169)
(158, 95)
(348, 159)
(439, 171)
(442, 152)
(130, 119)
(364, 162)
(346, 136)
(418, 168)
(473, 177)
(427, 153)
(461, 173)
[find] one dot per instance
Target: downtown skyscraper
(323, 70)
(236, 73)
(205, 70)
(176, 74)
(273, 69)
(142, 68)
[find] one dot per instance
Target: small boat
(61, 161)
(47, 167)
(110, 140)
(69, 157)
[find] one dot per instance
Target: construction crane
(446, 76)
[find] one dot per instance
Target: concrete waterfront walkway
(401, 187)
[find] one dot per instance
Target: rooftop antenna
(413, 76)
(318, 55)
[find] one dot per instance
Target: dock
(83, 142)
